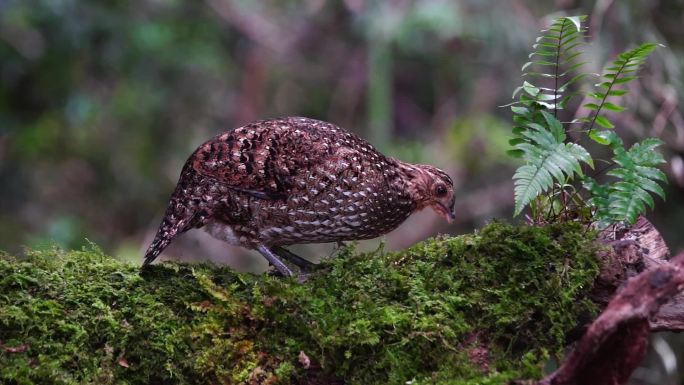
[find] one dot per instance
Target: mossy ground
(376, 318)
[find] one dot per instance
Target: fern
(556, 55)
(547, 158)
(637, 178)
(622, 201)
(622, 71)
(539, 138)
(552, 163)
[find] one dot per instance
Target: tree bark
(642, 290)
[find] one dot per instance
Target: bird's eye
(440, 191)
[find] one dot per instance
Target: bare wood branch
(616, 341)
(635, 250)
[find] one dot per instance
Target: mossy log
(486, 308)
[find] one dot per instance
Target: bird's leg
(273, 259)
(292, 257)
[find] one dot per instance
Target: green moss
(376, 318)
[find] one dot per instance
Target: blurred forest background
(101, 102)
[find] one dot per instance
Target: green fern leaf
(651, 173)
(636, 179)
(625, 205)
(623, 70)
(603, 121)
(559, 163)
(547, 159)
(556, 55)
(605, 137)
(599, 199)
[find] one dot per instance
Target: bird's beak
(447, 212)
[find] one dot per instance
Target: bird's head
(432, 187)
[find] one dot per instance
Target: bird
(279, 182)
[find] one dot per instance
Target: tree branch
(647, 298)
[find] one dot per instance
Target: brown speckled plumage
(296, 180)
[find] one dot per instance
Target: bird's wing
(265, 159)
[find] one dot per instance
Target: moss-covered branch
(615, 343)
(474, 309)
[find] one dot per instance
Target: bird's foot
(271, 272)
(303, 264)
(302, 275)
(273, 255)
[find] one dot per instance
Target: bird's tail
(178, 219)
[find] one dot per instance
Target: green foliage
(547, 158)
(623, 70)
(539, 138)
(553, 166)
(377, 318)
(556, 54)
(636, 177)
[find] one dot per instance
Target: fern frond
(547, 158)
(621, 71)
(637, 179)
(599, 200)
(556, 55)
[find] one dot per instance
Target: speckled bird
(286, 181)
